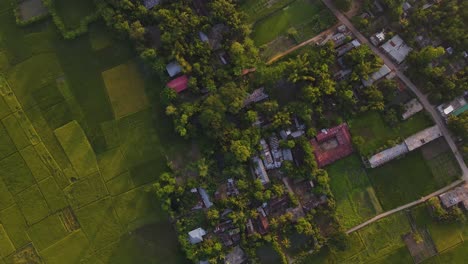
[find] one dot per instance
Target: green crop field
(403, 180)
(376, 133)
(309, 17)
(75, 180)
(355, 197)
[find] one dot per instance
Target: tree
(363, 62)
(241, 150)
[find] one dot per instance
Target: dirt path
(356, 6)
(403, 207)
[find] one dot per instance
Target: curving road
(421, 97)
(427, 106)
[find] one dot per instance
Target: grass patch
(72, 12)
(15, 173)
(38, 169)
(6, 247)
(42, 69)
(71, 249)
(136, 205)
(32, 204)
(120, 184)
(403, 180)
(384, 236)
(13, 221)
(100, 223)
(86, 191)
(6, 144)
(47, 232)
(299, 14)
(353, 191)
(126, 89)
(258, 9)
(77, 147)
(100, 36)
(376, 132)
(111, 163)
(53, 194)
(16, 132)
(445, 168)
(6, 199)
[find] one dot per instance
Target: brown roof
(328, 155)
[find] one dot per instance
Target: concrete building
(423, 137)
(396, 48)
(411, 108)
(455, 197)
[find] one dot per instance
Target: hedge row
(70, 34)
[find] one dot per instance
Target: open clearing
(31, 8)
(308, 17)
(126, 89)
(75, 182)
(72, 12)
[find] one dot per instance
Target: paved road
(406, 206)
(422, 98)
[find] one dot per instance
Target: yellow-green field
(75, 179)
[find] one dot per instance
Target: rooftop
(384, 70)
(332, 144)
(411, 108)
(455, 196)
(388, 155)
(422, 137)
(396, 48)
(179, 84)
(196, 235)
(173, 68)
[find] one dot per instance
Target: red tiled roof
(178, 84)
(344, 147)
(246, 71)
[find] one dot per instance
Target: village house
(179, 84)
(332, 144)
(203, 200)
(456, 107)
(459, 195)
(347, 47)
(411, 108)
(196, 235)
(236, 256)
(377, 38)
(149, 4)
(256, 96)
(259, 170)
(396, 48)
(173, 69)
(382, 72)
(227, 190)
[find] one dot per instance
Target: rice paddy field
(80, 148)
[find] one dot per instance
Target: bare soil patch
(31, 8)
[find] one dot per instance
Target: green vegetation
(59, 168)
(377, 133)
(403, 180)
(355, 197)
(309, 17)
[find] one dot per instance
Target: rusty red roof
(341, 146)
(178, 84)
